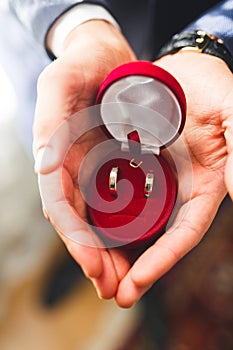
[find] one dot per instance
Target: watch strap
(198, 41)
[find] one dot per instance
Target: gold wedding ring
(113, 180)
(149, 182)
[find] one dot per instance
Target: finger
(121, 262)
(56, 100)
(107, 283)
(50, 156)
(89, 258)
(176, 242)
(129, 293)
(169, 249)
(116, 266)
(75, 232)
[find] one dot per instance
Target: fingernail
(38, 160)
(46, 160)
(98, 292)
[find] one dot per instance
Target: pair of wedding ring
(148, 187)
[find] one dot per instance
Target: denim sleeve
(217, 21)
(37, 15)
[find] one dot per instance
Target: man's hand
(208, 85)
(66, 86)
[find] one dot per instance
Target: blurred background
(45, 302)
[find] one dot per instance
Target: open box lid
(140, 96)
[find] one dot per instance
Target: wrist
(70, 20)
(190, 59)
(200, 42)
(91, 32)
(98, 38)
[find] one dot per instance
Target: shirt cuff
(71, 19)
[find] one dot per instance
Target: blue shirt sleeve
(37, 16)
(217, 21)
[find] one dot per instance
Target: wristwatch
(198, 41)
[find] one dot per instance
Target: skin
(67, 86)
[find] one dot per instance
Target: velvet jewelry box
(143, 108)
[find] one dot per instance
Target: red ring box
(143, 107)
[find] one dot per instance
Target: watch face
(143, 97)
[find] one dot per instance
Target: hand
(208, 85)
(66, 86)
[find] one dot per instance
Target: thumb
(51, 134)
(48, 157)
